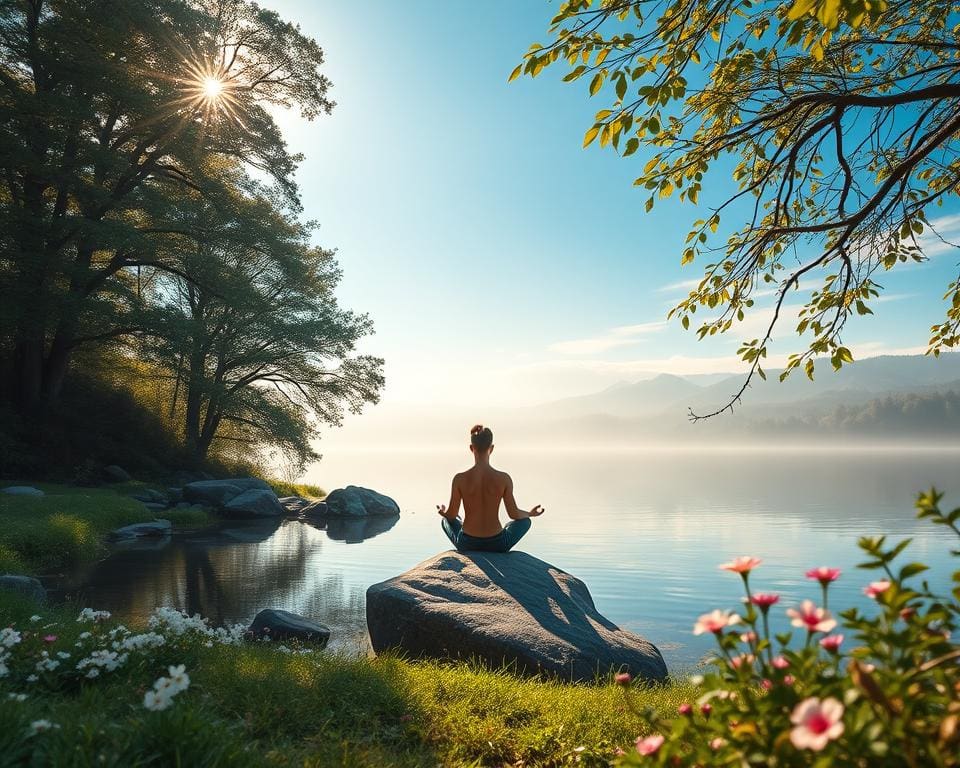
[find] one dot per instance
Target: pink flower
(875, 588)
(715, 621)
(766, 684)
(813, 618)
(706, 709)
(823, 574)
(50, 639)
(815, 723)
(650, 745)
(831, 642)
(907, 613)
(623, 678)
(748, 637)
(780, 663)
(763, 600)
(743, 658)
(789, 679)
(619, 752)
(717, 743)
(685, 709)
(741, 565)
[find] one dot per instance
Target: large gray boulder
(504, 609)
(354, 501)
(25, 585)
(282, 625)
(216, 493)
(254, 503)
(21, 490)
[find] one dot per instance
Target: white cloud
(943, 228)
(683, 285)
(620, 336)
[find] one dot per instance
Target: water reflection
(644, 531)
(353, 530)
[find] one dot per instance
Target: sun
(212, 88)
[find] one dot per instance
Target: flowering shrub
(794, 699)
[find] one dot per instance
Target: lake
(645, 530)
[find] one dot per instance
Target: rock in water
(283, 625)
(21, 490)
(504, 609)
(254, 503)
(152, 530)
(354, 501)
(25, 585)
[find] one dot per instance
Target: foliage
(68, 525)
(105, 121)
(891, 700)
(838, 119)
(274, 704)
(249, 329)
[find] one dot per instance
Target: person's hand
(442, 510)
(536, 511)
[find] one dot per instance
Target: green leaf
(632, 146)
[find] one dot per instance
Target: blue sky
(501, 263)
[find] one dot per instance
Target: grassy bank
(263, 704)
(69, 525)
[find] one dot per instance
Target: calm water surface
(644, 530)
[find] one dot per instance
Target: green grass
(283, 488)
(255, 705)
(69, 524)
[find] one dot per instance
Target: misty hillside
(889, 396)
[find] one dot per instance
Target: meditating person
(481, 489)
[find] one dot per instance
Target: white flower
(9, 637)
(32, 678)
(92, 673)
(179, 679)
(39, 726)
(35, 618)
(4, 669)
(88, 614)
(139, 642)
(17, 696)
(84, 635)
(63, 654)
(155, 701)
(47, 665)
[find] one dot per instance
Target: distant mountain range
(906, 396)
(911, 399)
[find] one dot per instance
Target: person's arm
(513, 511)
(453, 509)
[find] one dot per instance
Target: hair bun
(477, 429)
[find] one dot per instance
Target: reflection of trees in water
(225, 576)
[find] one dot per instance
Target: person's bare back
(481, 489)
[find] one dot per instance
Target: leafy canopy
(838, 120)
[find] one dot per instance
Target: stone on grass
(25, 585)
(354, 501)
(283, 625)
(254, 503)
(116, 474)
(21, 490)
(154, 529)
(504, 609)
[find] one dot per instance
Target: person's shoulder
(503, 476)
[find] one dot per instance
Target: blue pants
(512, 533)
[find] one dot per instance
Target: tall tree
(840, 120)
(106, 107)
(249, 329)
